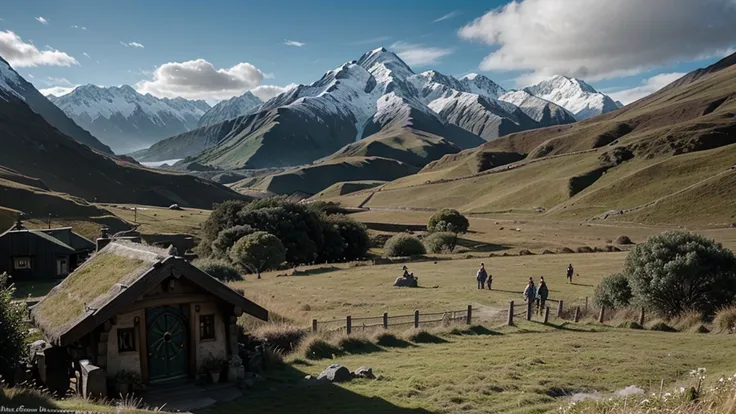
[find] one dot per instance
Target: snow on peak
(469, 76)
(230, 109)
(9, 80)
(481, 85)
(574, 95)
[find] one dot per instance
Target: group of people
(532, 293)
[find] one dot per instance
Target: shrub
(218, 268)
(314, 347)
(223, 216)
(623, 240)
(613, 292)
(403, 244)
(327, 207)
(354, 236)
(448, 220)
(12, 332)
(226, 239)
(725, 320)
(440, 242)
(258, 252)
(678, 271)
(281, 337)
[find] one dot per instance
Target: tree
(354, 235)
(258, 252)
(440, 242)
(613, 292)
(227, 238)
(402, 245)
(218, 268)
(224, 215)
(12, 332)
(448, 220)
(678, 271)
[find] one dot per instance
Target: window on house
(62, 266)
(126, 339)
(20, 263)
(206, 326)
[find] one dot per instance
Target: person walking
(530, 293)
(481, 276)
(569, 273)
(542, 294)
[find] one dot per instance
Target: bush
(448, 220)
(440, 242)
(613, 292)
(403, 245)
(281, 337)
(227, 238)
(725, 320)
(623, 240)
(353, 235)
(327, 207)
(224, 216)
(218, 268)
(12, 332)
(677, 271)
(258, 252)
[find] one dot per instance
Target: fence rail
(417, 319)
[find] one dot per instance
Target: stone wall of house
(128, 361)
(209, 348)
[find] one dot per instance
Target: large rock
(335, 373)
(364, 372)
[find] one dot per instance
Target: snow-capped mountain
(540, 110)
(375, 106)
(13, 87)
(127, 120)
(230, 109)
(574, 95)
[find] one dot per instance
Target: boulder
(335, 373)
(174, 207)
(364, 372)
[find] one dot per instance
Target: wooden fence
(386, 321)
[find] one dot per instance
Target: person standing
(542, 294)
(569, 273)
(490, 281)
(481, 276)
(530, 293)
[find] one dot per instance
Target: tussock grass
(355, 344)
(423, 336)
(283, 337)
(687, 321)
(660, 325)
(390, 340)
(314, 347)
(725, 320)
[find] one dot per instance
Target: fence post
(510, 322)
(559, 309)
(470, 313)
(546, 314)
(314, 326)
(348, 324)
(416, 318)
(602, 314)
(385, 320)
(529, 310)
(641, 317)
(577, 314)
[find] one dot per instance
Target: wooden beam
(142, 329)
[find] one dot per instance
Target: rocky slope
(230, 109)
(574, 95)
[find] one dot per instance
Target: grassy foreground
(527, 369)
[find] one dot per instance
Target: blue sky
(114, 43)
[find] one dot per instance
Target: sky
(217, 49)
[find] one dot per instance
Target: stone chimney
(104, 238)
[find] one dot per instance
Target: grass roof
(92, 285)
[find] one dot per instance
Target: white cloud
(78, 27)
(30, 76)
(57, 90)
(42, 20)
(419, 55)
(85, 54)
(19, 53)
(199, 79)
(647, 87)
(132, 44)
(294, 43)
(449, 15)
(266, 92)
(595, 39)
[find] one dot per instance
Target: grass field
(531, 368)
(333, 292)
(161, 219)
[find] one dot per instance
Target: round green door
(167, 343)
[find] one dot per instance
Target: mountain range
(49, 165)
(374, 106)
(127, 120)
(230, 109)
